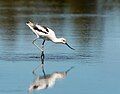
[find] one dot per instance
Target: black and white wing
(41, 29)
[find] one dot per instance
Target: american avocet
(46, 81)
(46, 34)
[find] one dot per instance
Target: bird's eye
(63, 40)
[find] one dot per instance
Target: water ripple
(35, 57)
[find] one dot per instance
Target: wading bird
(48, 80)
(46, 34)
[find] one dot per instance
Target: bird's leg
(43, 45)
(43, 70)
(36, 44)
(39, 49)
(41, 65)
(42, 55)
(42, 58)
(35, 70)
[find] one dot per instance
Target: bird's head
(64, 41)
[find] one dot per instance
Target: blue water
(91, 27)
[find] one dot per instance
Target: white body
(47, 81)
(46, 33)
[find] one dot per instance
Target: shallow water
(91, 27)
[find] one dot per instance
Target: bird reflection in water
(48, 80)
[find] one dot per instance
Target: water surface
(91, 27)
